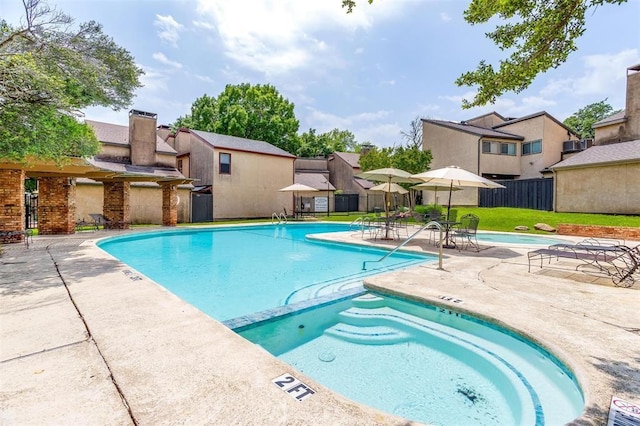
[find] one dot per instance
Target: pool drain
(327, 356)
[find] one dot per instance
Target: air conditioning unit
(581, 145)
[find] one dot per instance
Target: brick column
(56, 205)
(169, 204)
(116, 204)
(11, 205)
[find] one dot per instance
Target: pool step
(376, 335)
(369, 301)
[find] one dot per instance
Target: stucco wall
(449, 147)
(609, 189)
(145, 202)
(200, 160)
(251, 189)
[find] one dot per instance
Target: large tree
(540, 34)
(582, 121)
(336, 140)
(49, 71)
(257, 112)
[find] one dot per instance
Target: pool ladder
(422, 228)
(280, 218)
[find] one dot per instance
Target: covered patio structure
(57, 193)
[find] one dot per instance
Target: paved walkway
(86, 340)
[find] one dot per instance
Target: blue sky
(370, 72)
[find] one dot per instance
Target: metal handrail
(279, 217)
(432, 223)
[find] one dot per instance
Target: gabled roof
(487, 115)
(314, 180)
(366, 184)
(238, 144)
(618, 117)
(118, 134)
(475, 130)
(351, 158)
(620, 152)
(532, 116)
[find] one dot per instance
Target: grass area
(505, 219)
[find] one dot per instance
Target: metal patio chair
(467, 232)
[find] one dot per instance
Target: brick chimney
(632, 107)
(142, 137)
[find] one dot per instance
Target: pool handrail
(422, 228)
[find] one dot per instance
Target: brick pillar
(116, 204)
(169, 204)
(11, 206)
(56, 205)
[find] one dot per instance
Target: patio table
(448, 241)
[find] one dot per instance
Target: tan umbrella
(388, 175)
(434, 187)
(389, 187)
(455, 176)
(296, 188)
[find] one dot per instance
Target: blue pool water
(424, 363)
(512, 238)
(237, 271)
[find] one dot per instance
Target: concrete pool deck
(86, 339)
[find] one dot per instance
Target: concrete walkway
(87, 340)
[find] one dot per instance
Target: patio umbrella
(389, 187)
(435, 187)
(388, 175)
(296, 188)
(455, 176)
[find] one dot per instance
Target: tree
(48, 73)
(256, 112)
(414, 135)
(540, 35)
(581, 122)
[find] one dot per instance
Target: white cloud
(388, 82)
(162, 58)
(204, 78)
(204, 25)
(366, 126)
(153, 81)
(359, 51)
(444, 17)
(169, 29)
(278, 37)
(603, 75)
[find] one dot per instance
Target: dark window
(225, 163)
(533, 147)
(501, 148)
(180, 166)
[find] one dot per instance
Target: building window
(533, 147)
(225, 163)
(180, 166)
(500, 148)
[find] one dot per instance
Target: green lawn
(507, 218)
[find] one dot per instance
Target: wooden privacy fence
(525, 193)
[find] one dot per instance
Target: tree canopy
(256, 112)
(49, 71)
(540, 34)
(582, 121)
(336, 140)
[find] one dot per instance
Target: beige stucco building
(133, 149)
(237, 177)
(344, 166)
(496, 147)
(604, 178)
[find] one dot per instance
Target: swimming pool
(229, 272)
(424, 363)
(517, 239)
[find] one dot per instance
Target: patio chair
(99, 220)
(467, 232)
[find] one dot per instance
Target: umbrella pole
(447, 225)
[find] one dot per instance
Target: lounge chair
(618, 261)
